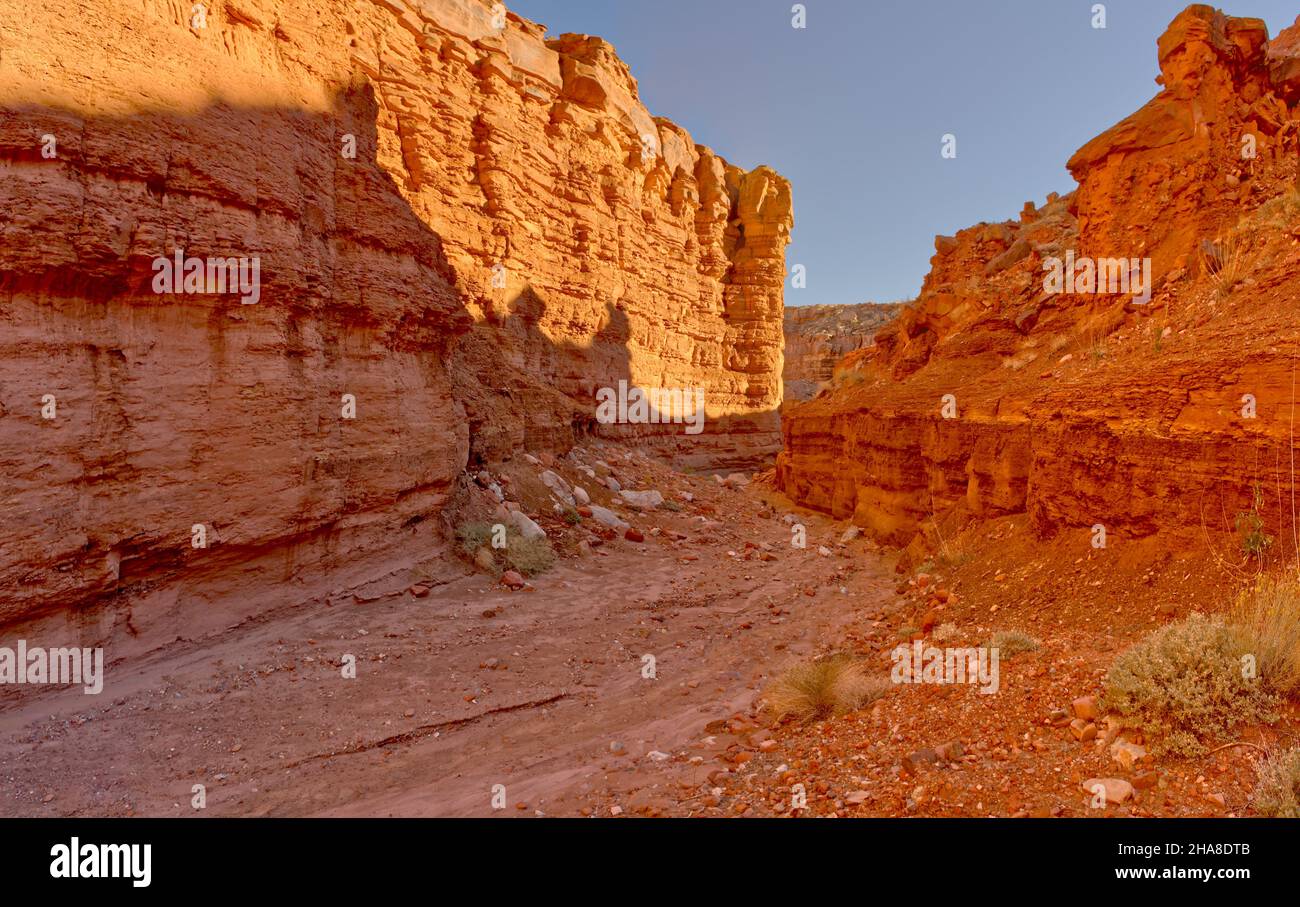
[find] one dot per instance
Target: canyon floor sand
(544, 690)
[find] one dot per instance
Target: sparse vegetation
(527, 556)
(1224, 262)
(1019, 360)
(1011, 643)
(1250, 527)
(820, 689)
(1277, 791)
(944, 633)
(473, 536)
(1186, 685)
(1281, 213)
(1266, 619)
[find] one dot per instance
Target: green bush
(1186, 685)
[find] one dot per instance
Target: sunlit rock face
(998, 393)
(463, 231)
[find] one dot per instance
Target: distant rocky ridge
(818, 336)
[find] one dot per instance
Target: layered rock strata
(998, 392)
(463, 230)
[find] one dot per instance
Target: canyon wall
(819, 336)
(995, 394)
(463, 230)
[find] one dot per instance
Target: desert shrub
(1011, 643)
(944, 632)
(528, 556)
(1185, 685)
(473, 536)
(1277, 791)
(1266, 619)
(815, 690)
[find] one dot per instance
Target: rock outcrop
(819, 336)
(464, 231)
(1000, 392)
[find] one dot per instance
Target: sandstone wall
(1083, 409)
(514, 231)
(819, 336)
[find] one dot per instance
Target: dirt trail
(471, 686)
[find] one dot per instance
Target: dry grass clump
(1266, 619)
(820, 689)
(1019, 360)
(1187, 684)
(1010, 643)
(1225, 262)
(1277, 791)
(527, 556)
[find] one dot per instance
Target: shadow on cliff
(523, 390)
(352, 282)
(195, 408)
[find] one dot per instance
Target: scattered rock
(1083, 731)
(1126, 754)
(915, 762)
(950, 752)
(1146, 780)
(608, 518)
(646, 499)
(1116, 790)
(525, 526)
(558, 486)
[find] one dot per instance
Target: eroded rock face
(1174, 168)
(819, 336)
(463, 230)
(993, 394)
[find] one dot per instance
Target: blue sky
(852, 109)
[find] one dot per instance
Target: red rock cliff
(1084, 407)
(513, 232)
